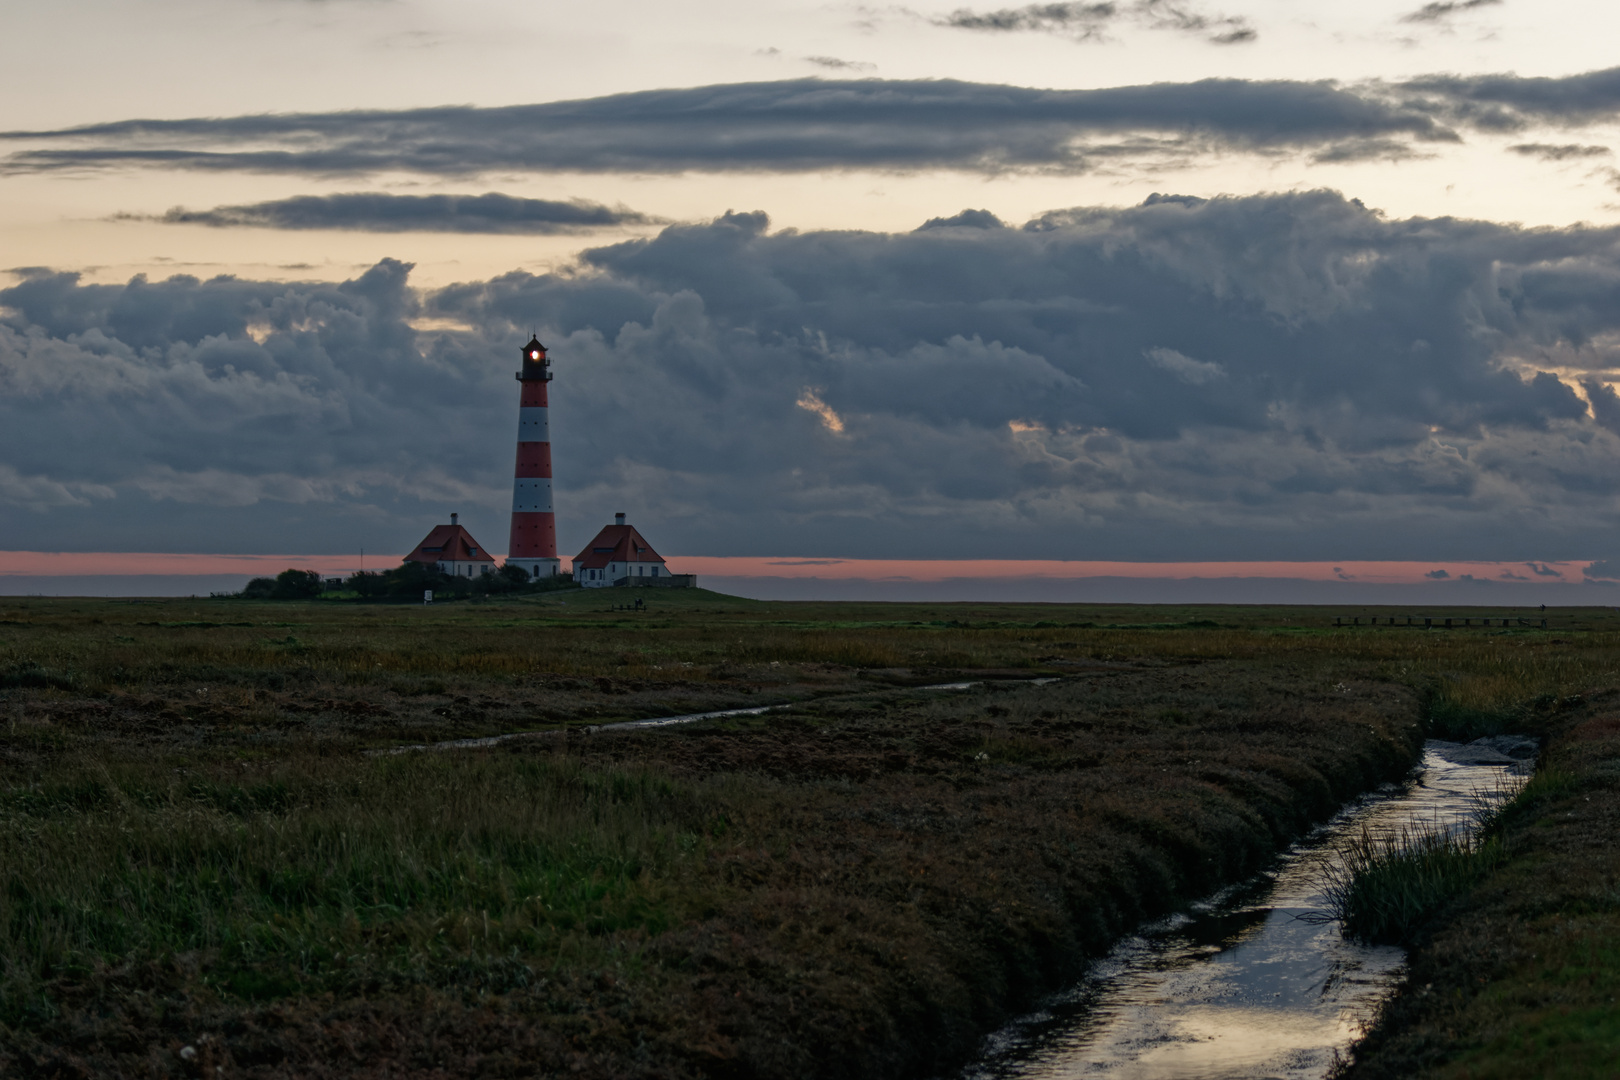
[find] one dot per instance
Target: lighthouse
(533, 544)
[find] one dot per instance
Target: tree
(507, 579)
(368, 584)
(260, 588)
(296, 585)
(409, 579)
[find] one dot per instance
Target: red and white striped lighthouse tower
(533, 545)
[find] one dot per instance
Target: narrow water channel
(1248, 984)
(654, 722)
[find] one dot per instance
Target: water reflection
(1247, 985)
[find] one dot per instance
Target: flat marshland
(206, 867)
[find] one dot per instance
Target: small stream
(1248, 985)
(654, 722)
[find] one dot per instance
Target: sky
(1263, 284)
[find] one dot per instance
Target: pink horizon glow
(49, 563)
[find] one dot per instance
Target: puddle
(1247, 985)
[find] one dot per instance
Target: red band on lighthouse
(533, 544)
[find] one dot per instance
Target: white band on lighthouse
(532, 424)
(531, 496)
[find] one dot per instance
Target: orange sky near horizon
(51, 564)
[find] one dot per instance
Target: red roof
(449, 543)
(616, 543)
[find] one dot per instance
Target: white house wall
(465, 569)
(613, 571)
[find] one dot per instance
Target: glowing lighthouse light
(533, 544)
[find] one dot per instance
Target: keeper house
(452, 550)
(620, 555)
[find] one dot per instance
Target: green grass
(1577, 1037)
(323, 875)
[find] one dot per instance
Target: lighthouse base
(538, 568)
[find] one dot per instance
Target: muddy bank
(1520, 977)
(850, 888)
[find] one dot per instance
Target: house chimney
(618, 519)
(453, 518)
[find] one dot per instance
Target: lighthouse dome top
(536, 365)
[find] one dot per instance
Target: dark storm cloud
(1605, 403)
(1445, 10)
(1090, 21)
(1508, 103)
(1287, 376)
(792, 125)
(374, 212)
(1564, 152)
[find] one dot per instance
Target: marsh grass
(869, 880)
(1386, 887)
(319, 874)
(1551, 782)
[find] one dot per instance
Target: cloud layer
(801, 124)
(377, 212)
(1288, 376)
(811, 124)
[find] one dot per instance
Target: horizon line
(1364, 571)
